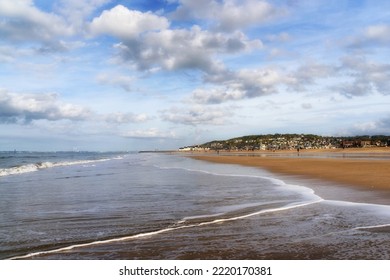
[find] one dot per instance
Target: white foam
(370, 227)
(18, 170)
(32, 167)
(186, 219)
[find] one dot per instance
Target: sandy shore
(369, 168)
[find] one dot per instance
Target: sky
(107, 75)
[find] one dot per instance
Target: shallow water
(157, 206)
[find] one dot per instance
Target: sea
(161, 206)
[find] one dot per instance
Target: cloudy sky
(131, 75)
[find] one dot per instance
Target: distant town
(273, 142)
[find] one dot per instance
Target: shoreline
(367, 169)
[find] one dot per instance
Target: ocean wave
(32, 167)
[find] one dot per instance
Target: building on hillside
(365, 144)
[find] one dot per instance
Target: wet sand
(367, 168)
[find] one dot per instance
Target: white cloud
(125, 82)
(228, 15)
(16, 107)
(356, 76)
(22, 21)
(356, 88)
(26, 107)
(371, 36)
(152, 133)
(197, 115)
(126, 24)
(76, 11)
(195, 9)
(242, 84)
(216, 95)
(237, 14)
(183, 49)
(265, 78)
(308, 74)
(368, 76)
(379, 33)
(282, 37)
(366, 127)
(381, 126)
(9, 54)
(147, 42)
(306, 105)
(123, 118)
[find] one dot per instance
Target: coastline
(364, 168)
(188, 209)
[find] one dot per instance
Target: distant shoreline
(362, 167)
(157, 151)
(290, 151)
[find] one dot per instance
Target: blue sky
(132, 75)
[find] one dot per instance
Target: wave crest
(32, 167)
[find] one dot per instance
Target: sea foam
(32, 167)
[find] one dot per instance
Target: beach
(364, 168)
(171, 206)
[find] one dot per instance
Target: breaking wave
(32, 167)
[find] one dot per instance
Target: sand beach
(360, 167)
